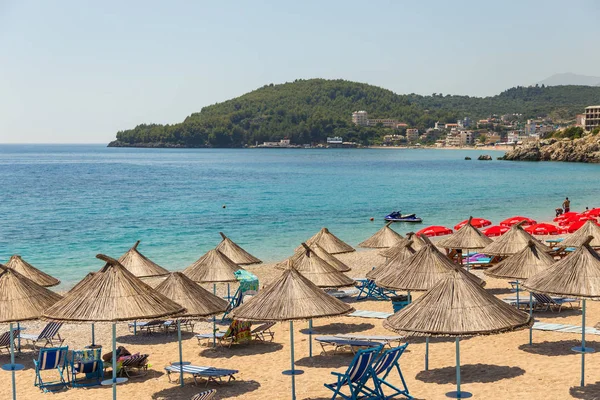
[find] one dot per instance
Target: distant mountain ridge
(569, 78)
(309, 110)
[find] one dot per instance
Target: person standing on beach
(567, 205)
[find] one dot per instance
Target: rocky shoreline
(154, 145)
(586, 149)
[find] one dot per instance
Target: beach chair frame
(5, 340)
(368, 290)
(206, 395)
(211, 374)
(557, 302)
(53, 358)
(342, 343)
(88, 362)
(356, 377)
(49, 335)
(263, 332)
(387, 362)
(138, 362)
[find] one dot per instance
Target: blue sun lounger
(368, 290)
(356, 376)
(211, 374)
(339, 343)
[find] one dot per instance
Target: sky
(75, 71)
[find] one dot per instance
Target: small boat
(397, 216)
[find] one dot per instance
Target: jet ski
(397, 216)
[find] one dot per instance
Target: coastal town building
(393, 139)
(401, 125)
(464, 123)
(386, 122)
(283, 143)
(412, 135)
(452, 139)
(360, 118)
(450, 126)
(530, 127)
(592, 117)
(466, 138)
(335, 140)
(580, 120)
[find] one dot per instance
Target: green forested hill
(307, 111)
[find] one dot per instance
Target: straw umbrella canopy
(466, 237)
(235, 252)
(577, 275)
(421, 271)
(578, 238)
(456, 306)
(521, 266)
(384, 238)
(329, 242)
(198, 302)
(318, 271)
(513, 241)
(403, 252)
(139, 265)
(330, 258)
(113, 294)
(21, 299)
(417, 243)
(29, 271)
(213, 267)
(291, 297)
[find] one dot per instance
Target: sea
(60, 205)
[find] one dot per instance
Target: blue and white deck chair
(208, 395)
(368, 290)
(49, 335)
(88, 363)
(383, 366)
(248, 286)
(54, 358)
(356, 377)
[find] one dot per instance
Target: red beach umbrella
(576, 218)
(476, 222)
(564, 216)
(435, 230)
(594, 212)
(515, 220)
(574, 226)
(495, 230)
(542, 229)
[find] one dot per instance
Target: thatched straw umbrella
(402, 253)
(235, 252)
(577, 275)
(578, 238)
(521, 266)
(417, 243)
(319, 272)
(513, 241)
(213, 267)
(21, 299)
(291, 297)
(384, 238)
(139, 265)
(198, 302)
(420, 272)
(113, 294)
(330, 258)
(29, 271)
(456, 306)
(467, 237)
(329, 242)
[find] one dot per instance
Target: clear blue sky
(78, 71)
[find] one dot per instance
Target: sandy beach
(499, 366)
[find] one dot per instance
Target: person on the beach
(567, 205)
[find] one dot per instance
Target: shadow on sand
(588, 392)
(326, 361)
(224, 391)
(470, 373)
(558, 348)
(154, 338)
(338, 328)
(241, 350)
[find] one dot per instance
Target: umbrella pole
(310, 338)
(427, 353)
(114, 361)
(18, 338)
(93, 335)
(214, 320)
(583, 349)
(458, 394)
(228, 292)
(293, 371)
(517, 285)
(531, 318)
(12, 361)
(180, 353)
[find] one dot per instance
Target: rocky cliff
(586, 149)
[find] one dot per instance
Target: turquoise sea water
(63, 204)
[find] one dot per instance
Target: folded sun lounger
(211, 374)
(339, 343)
(385, 340)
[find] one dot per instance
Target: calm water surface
(63, 204)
